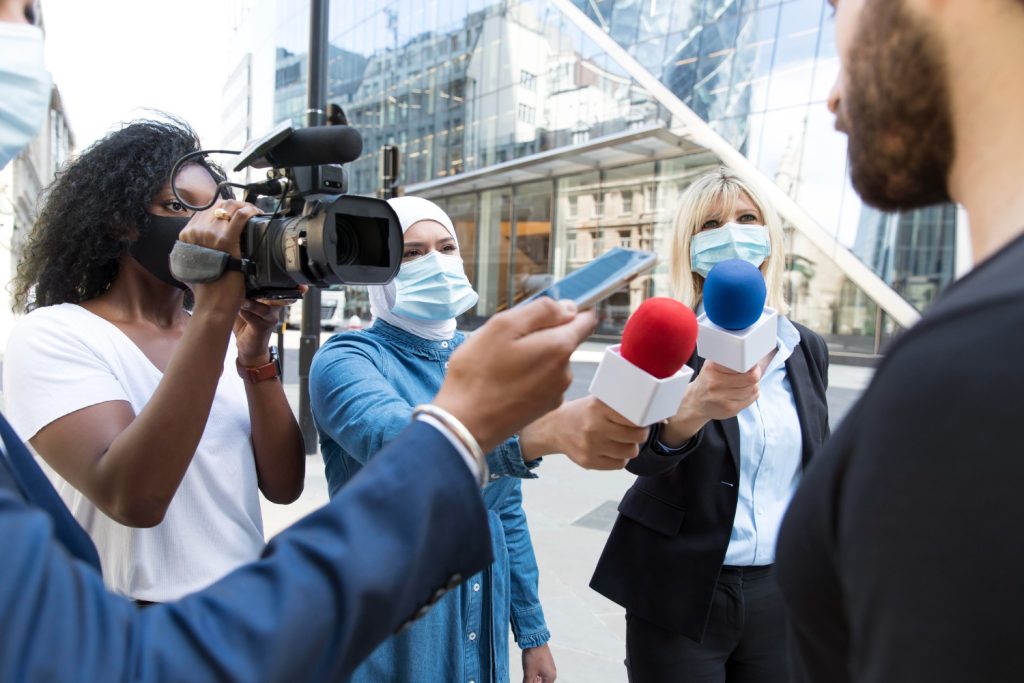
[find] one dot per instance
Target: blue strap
(38, 491)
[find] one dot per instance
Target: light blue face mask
(24, 87)
(731, 241)
(433, 287)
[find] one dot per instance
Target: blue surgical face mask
(433, 287)
(711, 247)
(24, 87)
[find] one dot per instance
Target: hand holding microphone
(736, 332)
(640, 382)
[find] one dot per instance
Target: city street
(570, 513)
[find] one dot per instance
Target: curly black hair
(91, 211)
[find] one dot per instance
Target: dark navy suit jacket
(324, 594)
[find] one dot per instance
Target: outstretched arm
(325, 593)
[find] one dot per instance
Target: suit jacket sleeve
(323, 595)
(653, 461)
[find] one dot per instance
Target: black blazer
(666, 550)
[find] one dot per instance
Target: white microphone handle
(638, 396)
(738, 350)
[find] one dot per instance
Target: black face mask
(157, 236)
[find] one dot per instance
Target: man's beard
(896, 110)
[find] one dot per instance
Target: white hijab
(412, 210)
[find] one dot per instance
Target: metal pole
(316, 104)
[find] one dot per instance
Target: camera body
(311, 232)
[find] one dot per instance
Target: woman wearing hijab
(364, 386)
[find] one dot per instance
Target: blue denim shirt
(363, 388)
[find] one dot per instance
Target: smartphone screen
(600, 278)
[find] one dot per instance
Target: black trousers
(745, 640)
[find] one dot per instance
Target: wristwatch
(263, 372)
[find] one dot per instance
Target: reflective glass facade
(759, 72)
(470, 87)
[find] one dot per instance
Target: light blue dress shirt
(770, 460)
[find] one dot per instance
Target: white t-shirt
(63, 358)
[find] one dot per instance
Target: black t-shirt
(901, 558)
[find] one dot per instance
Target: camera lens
(347, 240)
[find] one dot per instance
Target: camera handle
(194, 264)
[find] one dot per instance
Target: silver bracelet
(464, 436)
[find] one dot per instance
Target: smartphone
(600, 278)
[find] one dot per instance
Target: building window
(580, 135)
(596, 248)
(526, 113)
(626, 239)
(627, 202)
(598, 204)
(574, 206)
(528, 80)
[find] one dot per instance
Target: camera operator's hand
(514, 369)
(257, 319)
(207, 230)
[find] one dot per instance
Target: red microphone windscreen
(660, 337)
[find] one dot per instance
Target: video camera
(311, 232)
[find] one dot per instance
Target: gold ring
(221, 214)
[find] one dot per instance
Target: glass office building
(554, 130)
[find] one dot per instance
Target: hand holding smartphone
(600, 278)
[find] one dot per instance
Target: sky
(114, 58)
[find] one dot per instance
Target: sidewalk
(570, 513)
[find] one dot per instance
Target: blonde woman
(691, 554)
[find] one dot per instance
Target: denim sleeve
(355, 405)
(528, 625)
(352, 401)
(507, 461)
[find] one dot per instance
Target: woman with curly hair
(157, 443)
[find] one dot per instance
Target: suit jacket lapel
(38, 491)
(730, 428)
(798, 373)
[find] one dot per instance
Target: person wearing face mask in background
(691, 554)
(161, 424)
(364, 386)
(376, 563)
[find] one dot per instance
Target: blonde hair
(713, 196)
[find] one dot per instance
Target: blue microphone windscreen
(734, 294)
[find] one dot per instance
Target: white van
(332, 310)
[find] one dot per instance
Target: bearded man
(899, 558)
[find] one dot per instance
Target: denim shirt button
(476, 587)
(472, 636)
(444, 345)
